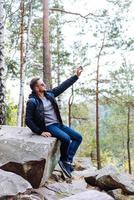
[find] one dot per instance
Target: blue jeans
(70, 140)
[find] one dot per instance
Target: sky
(70, 36)
(86, 6)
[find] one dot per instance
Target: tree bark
(23, 60)
(2, 65)
(58, 65)
(70, 102)
(97, 119)
(22, 70)
(97, 108)
(128, 140)
(46, 46)
(27, 46)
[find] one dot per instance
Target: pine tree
(46, 46)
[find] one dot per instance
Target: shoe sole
(64, 170)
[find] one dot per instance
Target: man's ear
(36, 89)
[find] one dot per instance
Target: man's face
(40, 86)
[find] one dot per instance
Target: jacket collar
(34, 95)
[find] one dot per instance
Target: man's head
(37, 85)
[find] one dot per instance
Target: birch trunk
(2, 66)
(27, 44)
(21, 95)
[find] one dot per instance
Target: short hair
(33, 82)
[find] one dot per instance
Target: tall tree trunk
(21, 95)
(128, 140)
(23, 59)
(97, 119)
(97, 108)
(29, 24)
(46, 46)
(26, 58)
(2, 68)
(123, 146)
(58, 65)
(70, 103)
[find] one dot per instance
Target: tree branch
(80, 118)
(74, 13)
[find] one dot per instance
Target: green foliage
(83, 122)
(12, 67)
(11, 111)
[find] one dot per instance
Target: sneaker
(71, 168)
(65, 168)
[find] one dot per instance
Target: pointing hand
(79, 70)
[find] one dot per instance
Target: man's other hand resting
(46, 134)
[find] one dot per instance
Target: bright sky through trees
(71, 30)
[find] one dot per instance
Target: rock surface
(11, 184)
(32, 196)
(83, 163)
(47, 194)
(108, 178)
(56, 191)
(90, 195)
(31, 156)
(118, 195)
(87, 173)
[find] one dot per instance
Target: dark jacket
(35, 118)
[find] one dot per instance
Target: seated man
(43, 118)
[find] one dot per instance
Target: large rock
(118, 195)
(83, 163)
(56, 191)
(108, 178)
(68, 188)
(29, 196)
(11, 184)
(90, 195)
(31, 156)
(47, 194)
(87, 173)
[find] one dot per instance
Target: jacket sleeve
(30, 107)
(63, 86)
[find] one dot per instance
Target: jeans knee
(80, 138)
(66, 140)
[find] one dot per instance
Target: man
(43, 118)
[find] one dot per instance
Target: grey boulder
(29, 155)
(108, 178)
(11, 184)
(89, 195)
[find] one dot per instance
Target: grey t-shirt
(50, 115)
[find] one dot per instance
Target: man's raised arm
(66, 84)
